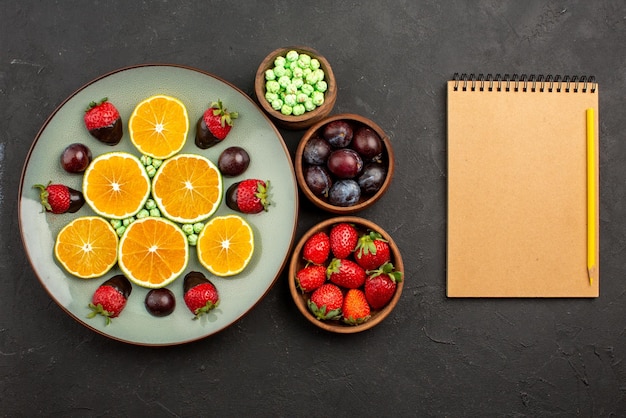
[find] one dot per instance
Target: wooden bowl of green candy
(295, 86)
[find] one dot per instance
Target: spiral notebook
(522, 186)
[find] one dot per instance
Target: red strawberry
(110, 298)
(200, 295)
(317, 248)
(346, 273)
(381, 285)
(310, 277)
(103, 122)
(214, 125)
(343, 239)
(249, 196)
(355, 309)
(326, 302)
(372, 251)
(58, 198)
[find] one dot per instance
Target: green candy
(192, 239)
(298, 109)
(292, 56)
(198, 227)
(277, 104)
(304, 61)
(321, 86)
(279, 71)
(270, 75)
(286, 110)
(317, 98)
(272, 86)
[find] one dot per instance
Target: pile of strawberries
(348, 274)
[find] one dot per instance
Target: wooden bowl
(297, 262)
(366, 200)
(308, 118)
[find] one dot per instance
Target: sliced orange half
(116, 185)
(153, 252)
(225, 245)
(158, 126)
(87, 247)
(187, 188)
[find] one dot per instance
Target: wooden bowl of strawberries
(344, 163)
(295, 86)
(346, 274)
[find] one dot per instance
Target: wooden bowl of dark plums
(344, 163)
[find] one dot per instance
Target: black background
(433, 356)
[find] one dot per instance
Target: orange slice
(116, 185)
(153, 252)
(225, 245)
(158, 126)
(87, 247)
(187, 188)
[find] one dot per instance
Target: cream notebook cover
(519, 190)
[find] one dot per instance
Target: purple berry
(344, 193)
(318, 180)
(316, 151)
(338, 133)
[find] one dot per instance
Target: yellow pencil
(592, 268)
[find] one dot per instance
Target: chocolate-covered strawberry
(103, 122)
(249, 196)
(214, 125)
(110, 298)
(59, 198)
(200, 294)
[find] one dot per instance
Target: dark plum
(345, 163)
(75, 158)
(367, 143)
(316, 151)
(372, 178)
(344, 193)
(338, 133)
(318, 179)
(233, 161)
(160, 302)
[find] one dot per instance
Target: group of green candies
(295, 84)
(150, 208)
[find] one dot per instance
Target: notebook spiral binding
(524, 83)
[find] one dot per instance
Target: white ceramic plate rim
(239, 294)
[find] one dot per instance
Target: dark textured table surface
(433, 356)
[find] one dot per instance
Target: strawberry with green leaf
(103, 121)
(372, 251)
(249, 196)
(381, 284)
(59, 198)
(345, 273)
(355, 309)
(326, 302)
(200, 294)
(214, 125)
(110, 298)
(310, 277)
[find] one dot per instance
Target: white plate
(274, 230)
